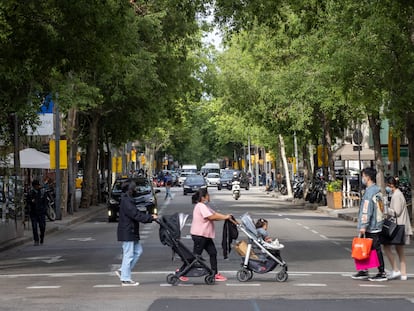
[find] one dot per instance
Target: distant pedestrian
(398, 209)
(167, 184)
(370, 221)
(128, 232)
(37, 211)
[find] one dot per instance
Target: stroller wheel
(282, 276)
(172, 279)
(210, 280)
(244, 275)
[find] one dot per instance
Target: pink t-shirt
(201, 225)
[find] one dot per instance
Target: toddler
(261, 228)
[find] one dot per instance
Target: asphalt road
(73, 270)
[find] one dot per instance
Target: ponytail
(201, 193)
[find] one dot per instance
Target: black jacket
(129, 219)
(36, 202)
(230, 233)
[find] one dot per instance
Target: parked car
(193, 183)
(183, 176)
(145, 198)
(212, 179)
(226, 178)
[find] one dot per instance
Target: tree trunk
(328, 145)
(71, 132)
(90, 173)
(375, 124)
(409, 125)
(285, 165)
(305, 171)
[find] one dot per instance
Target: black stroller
(193, 265)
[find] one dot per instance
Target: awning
(29, 158)
(349, 153)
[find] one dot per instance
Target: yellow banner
(117, 164)
(63, 154)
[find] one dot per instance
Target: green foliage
(334, 186)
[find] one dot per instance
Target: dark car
(145, 199)
(192, 183)
(226, 178)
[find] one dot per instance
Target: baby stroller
(193, 266)
(257, 255)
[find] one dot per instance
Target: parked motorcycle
(235, 188)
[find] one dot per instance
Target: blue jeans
(132, 250)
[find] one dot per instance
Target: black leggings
(202, 243)
(376, 244)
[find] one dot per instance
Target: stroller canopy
(171, 226)
(248, 224)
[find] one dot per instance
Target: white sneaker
(129, 283)
(394, 275)
(403, 278)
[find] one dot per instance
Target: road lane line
(306, 227)
(372, 285)
(43, 287)
(243, 285)
(324, 237)
(314, 231)
(106, 286)
(310, 285)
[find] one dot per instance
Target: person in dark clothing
(37, 212)
(128, 232)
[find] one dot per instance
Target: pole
(57, 166)
(249, 155)
(16, 198)
(295, 141)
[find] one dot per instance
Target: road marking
(324, 237)
(52, 259)
(43, 287)
(288, 219)
(243, 284)
(314, 231)
(310, 285)
(106, 286)
(372, 285)
(306, 227)
(410, 300)
(179, 284)
(82, 239)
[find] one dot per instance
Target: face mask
(364, 181)
(388, 189)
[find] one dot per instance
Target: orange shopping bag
(361, 247)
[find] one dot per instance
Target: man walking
(37, 212)
(370, 221)
(128, 232)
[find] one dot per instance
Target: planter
(334, 199)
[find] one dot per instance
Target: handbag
(371, 262)
(398, 237)
(361, 247)
(388, 228)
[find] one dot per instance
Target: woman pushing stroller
(203, 231)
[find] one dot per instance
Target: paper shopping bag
(361, 247)
(371, 262)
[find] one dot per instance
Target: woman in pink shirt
(202, 229)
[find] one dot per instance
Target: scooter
(235, 188)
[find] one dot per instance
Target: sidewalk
(81, 215)
(350, 213)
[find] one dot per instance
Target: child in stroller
(261, 228)
(260, 256)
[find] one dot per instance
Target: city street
(74, 269)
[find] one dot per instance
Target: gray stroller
(259, 257)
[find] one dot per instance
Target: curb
(58, 225)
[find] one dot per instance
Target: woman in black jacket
(128, 232)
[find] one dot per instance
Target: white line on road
(310, 285)
(243, 285)
(106, 286)
(372, 285)
(180, 284)
(314, 231)
(306, 227)
(324, 237)
(43, 287)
